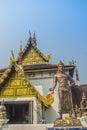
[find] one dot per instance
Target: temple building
(25, 83)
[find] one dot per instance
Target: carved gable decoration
(16, 86)
(32, 57)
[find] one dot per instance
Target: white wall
(43, 84)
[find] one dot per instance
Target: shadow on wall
(51, 115)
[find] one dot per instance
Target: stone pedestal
(67, 122)
(65, 115)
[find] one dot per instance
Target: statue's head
(60, 66)
(61, 63)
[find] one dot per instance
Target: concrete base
(67, 128)
(26, 126)
(39, 127)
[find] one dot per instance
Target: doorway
(20, 112)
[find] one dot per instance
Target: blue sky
(60, 27)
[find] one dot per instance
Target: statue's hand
(51, 89)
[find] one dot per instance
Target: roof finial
(34, 39)
(30, 33)
(12, 59)
(30, 37)
(20, 46)
(12, 54)
(20, 54)
(34, 35)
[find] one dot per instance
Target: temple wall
(43, 84)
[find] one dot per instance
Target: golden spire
(20, 46)
(30, 37)
(20, 55)
(12, 59)
(34, 39)
(12, 54)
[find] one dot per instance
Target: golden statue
(65, 82)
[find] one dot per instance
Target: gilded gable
(32, 57)
(16, 86)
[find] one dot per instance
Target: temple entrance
(20, 112)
